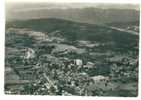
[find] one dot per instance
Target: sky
(90, 2)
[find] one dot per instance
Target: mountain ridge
(85, 15)
(74, 31)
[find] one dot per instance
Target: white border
(75, 1)
(2, 39)
(17, 97)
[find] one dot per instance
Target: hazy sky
(86, 3)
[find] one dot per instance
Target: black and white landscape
(72, 49)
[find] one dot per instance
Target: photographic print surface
(71, 49)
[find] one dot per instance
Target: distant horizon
(81, 5)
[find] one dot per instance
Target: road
(124, 30)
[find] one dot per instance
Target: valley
(62, 57)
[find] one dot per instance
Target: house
(89, 65)
(100, 78)
(30, 53)
(78, 62)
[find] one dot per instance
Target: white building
(30, 53)
(89, 65)
(78, 62)
(100, 78)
